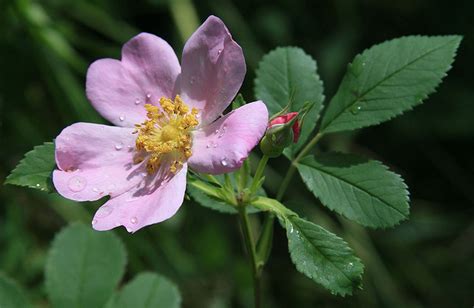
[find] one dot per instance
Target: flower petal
(119, 89)
(138, 208)
(223, 145)
(95, 160)
(213, 69)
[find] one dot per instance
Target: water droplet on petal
(148, 96)
(192, 80)
(94, 221)
(77, 183)
(119, 146)
(133, 220)
(95, 189)
(219, 51)
(208, 145)
(103, 211)
(137, 101)
(122, 118)
(224, 162)
(214, 145)
(355, 109)
(217, 131)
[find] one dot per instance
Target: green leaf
(83, 267)
(389, 79)
(210, 196)
(289, 74)
(11, 295)
(35, 169)
(323, 256)
(210, 201)
(147, 290)
(360, 189)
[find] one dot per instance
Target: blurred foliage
(46, 46)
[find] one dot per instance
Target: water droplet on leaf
(355, 109)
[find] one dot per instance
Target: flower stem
(269, 219)
(250, 245)
(291, 171)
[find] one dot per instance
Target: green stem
(291, 171)
(259, 173)
(269, 219)
(250, 245)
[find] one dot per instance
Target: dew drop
(133, 220)
(192, 80)
(148, 96)
(291, 229)
(103, 211)
(137, 101)
(214, 145)
(119, 146)
(77, 183)
(217, 131)
(224, 162)
(208, 145)
(94, 221)
(351, 264)
(95, 189)
(219, 51)
(355, 109)
(37, 185)
(122, 118)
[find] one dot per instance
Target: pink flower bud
(283, 119)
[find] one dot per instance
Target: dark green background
(46, 46)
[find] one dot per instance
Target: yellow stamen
(166, 135)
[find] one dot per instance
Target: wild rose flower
(167, 117)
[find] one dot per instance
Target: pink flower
(167, 117)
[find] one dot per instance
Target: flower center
(165, 136)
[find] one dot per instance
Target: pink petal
(118, 90)
(213, 69)
(223, 145)
(95, 160)
(141, 207)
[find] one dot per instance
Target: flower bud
(281, 132)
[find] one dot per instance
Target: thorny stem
(250, 245)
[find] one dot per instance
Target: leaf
(323, 256)
(147, 290)
(208, 196)
(389, 79)
(83, 267)
(11, 295)
(359, 189)
(209, 201)
(35, 169)
(289, 74)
